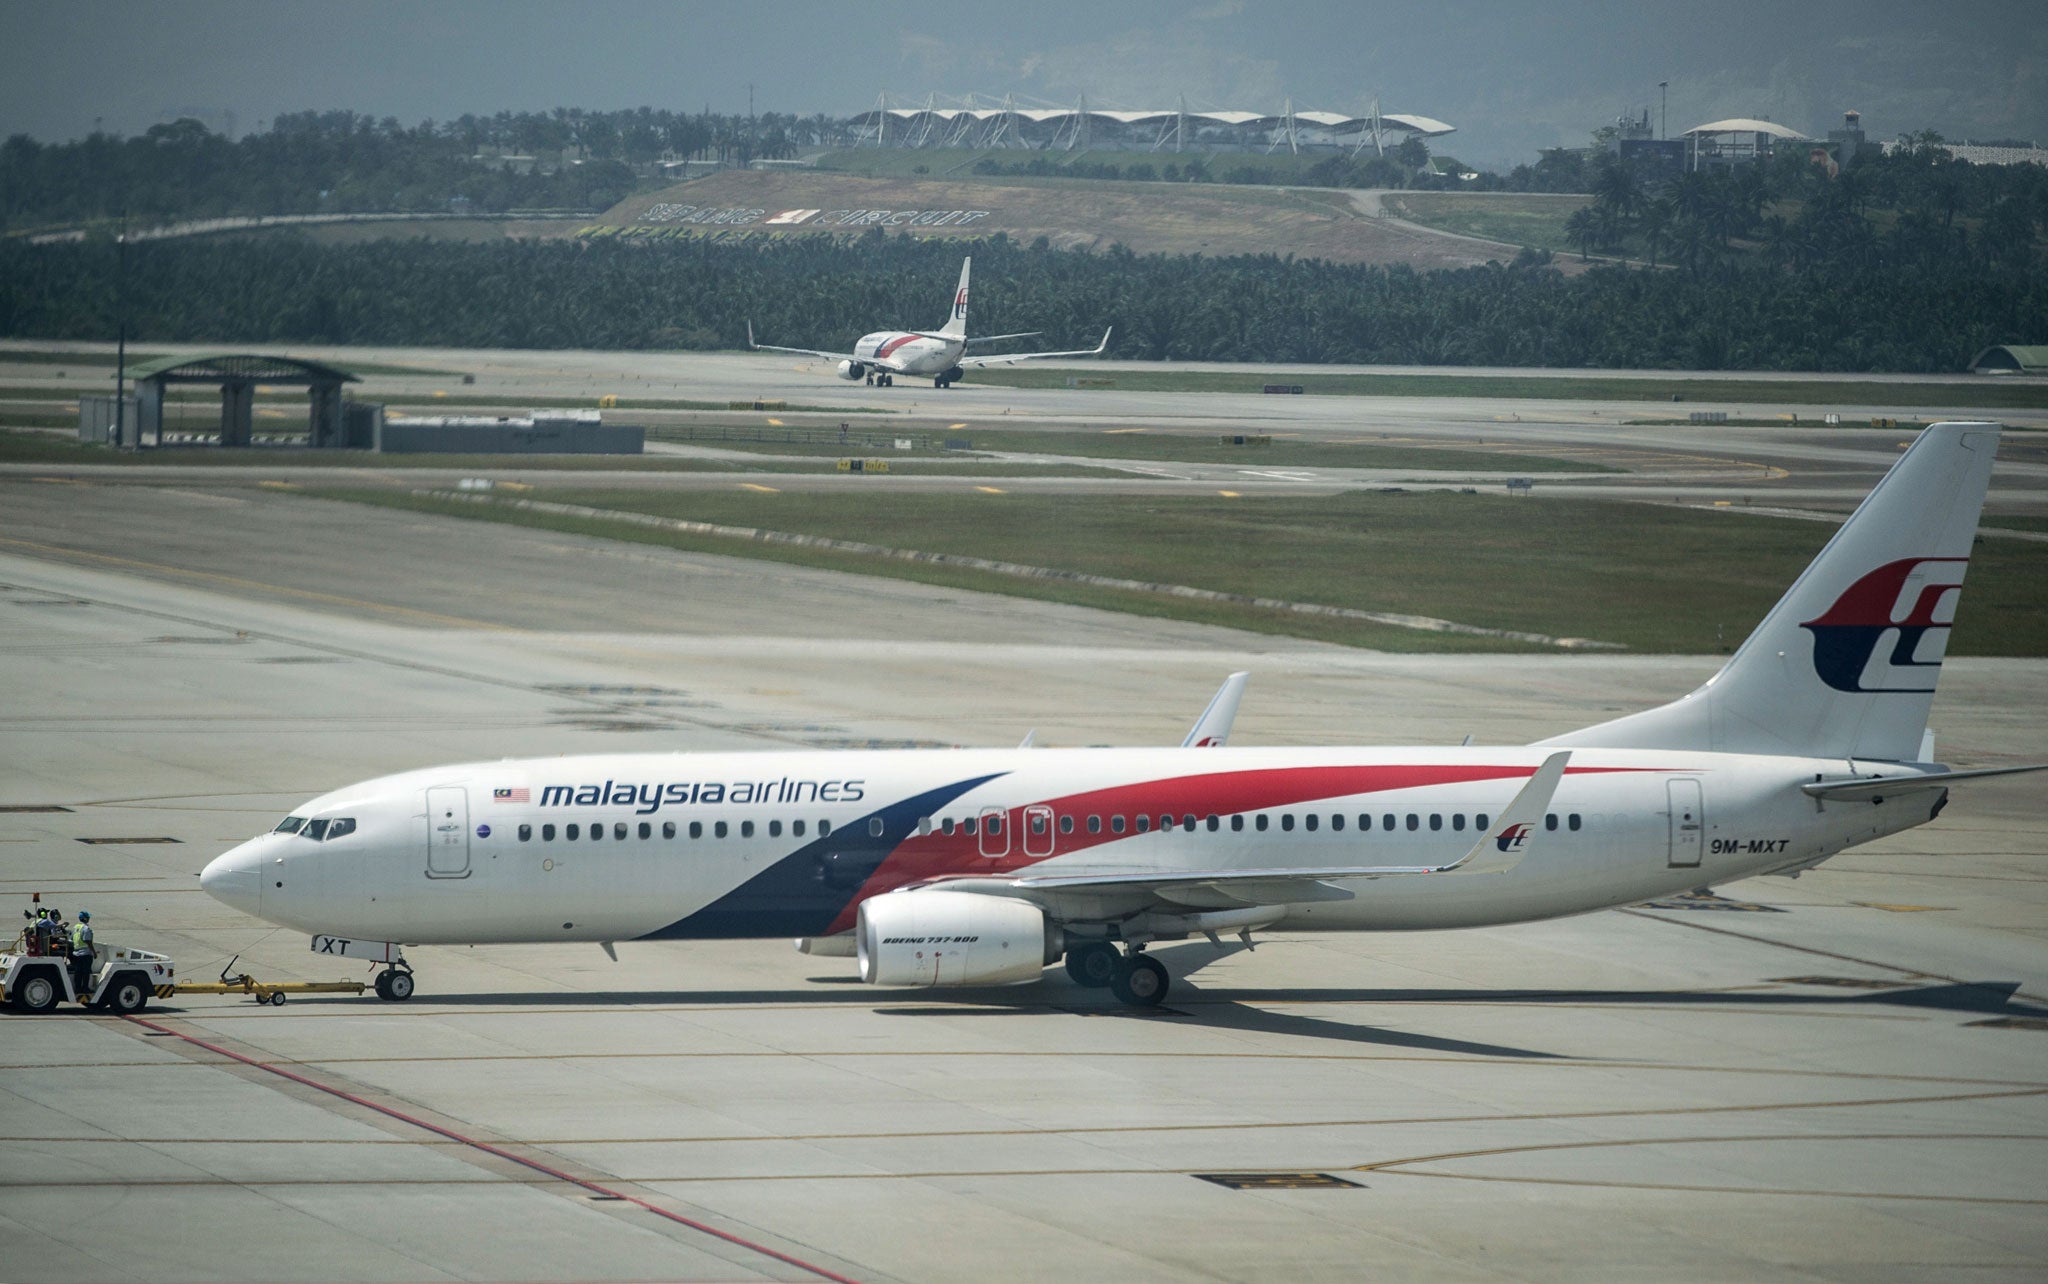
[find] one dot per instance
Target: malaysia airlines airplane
(938, 355)
(983, 866)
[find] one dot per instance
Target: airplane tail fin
(956, 320)
(1844, 666)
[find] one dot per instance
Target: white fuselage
(618, 847)
(914, 354)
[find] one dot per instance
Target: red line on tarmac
(489, 1149)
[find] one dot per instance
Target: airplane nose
(232, 878)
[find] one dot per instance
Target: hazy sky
(1511, 76)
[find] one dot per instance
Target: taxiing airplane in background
(938, 355)
(982, 866)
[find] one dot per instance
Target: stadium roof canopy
(238, 367)
(2012, 358)
(1744, 125)
(1332, 121)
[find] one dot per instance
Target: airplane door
(1038, 830)
(1688, 822)
(995, 835)
(448, 832)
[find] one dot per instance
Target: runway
(1835, 1078)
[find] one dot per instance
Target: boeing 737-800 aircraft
(938, 355)
(982, 866)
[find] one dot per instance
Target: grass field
(1654, 578)
(1820, 391)
(1516, 218)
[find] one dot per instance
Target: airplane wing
(880, 363)
(997, 338)
(1012, 358)
(1879, 786)
(1080, 894)
(1212, 729)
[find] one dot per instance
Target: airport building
(1165, 130)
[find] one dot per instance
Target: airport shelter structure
(238, 375)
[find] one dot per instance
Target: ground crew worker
(39, 931)
(81, 954)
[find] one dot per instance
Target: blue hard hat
(84, 915)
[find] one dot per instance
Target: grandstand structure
(984, 125)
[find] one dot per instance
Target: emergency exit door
(1688, 822)
(448, 832)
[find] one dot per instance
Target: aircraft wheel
(1093, 964)
(394, 985)
(1139, 981)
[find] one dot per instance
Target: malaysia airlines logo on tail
(1512, 838)
(1913, 603)
(960, 304)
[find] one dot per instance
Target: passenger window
(775, 829)
(346, 825)
(290, 825)
(572, 832)
(1479, 822)
(547, 833)
(1259, 822)
(824, 828)
(646, 830)
(1287, 822)
(924, 824)
(1144, 825)
(696, 829)
(746, 829)
(718, 829)
(315, 830)
(1187, 823)
(967, 826)
(1308, 822)
(1215, 823)
(995, 826)
(1458, 820)
(525, 833)
(1166, 822)
(1066, 824)
(1336, 820)
(946, 826)
(1116, 824)
(1550, 821)
(1095, 824)
(1571, 822)
(875, 827)
(597, 832)
(1436, 822)
(1037, 822)
(1414, 822)
(668, 829)
(796, 827)
(1387, 821)
(1237, 824)
(1364, 822)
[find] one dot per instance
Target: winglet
(1504, 845)
(1212, 729)
(1102, 347)
(750, 337)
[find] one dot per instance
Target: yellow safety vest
(81, 938)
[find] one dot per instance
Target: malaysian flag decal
(511, 795)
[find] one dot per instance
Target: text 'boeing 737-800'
(983, 866)
(938, 355)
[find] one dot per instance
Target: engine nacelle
(954, 938)
(852, 370)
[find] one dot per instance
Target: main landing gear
(394, 983)
(1133, 978)
(881, 381)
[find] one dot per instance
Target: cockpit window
(315, 830)
(340, 827)
(290, 825)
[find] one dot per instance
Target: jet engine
(852, 370)
(954, 938)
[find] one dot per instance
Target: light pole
(121, 335)
(1663, 109)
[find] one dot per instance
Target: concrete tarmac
(1838, 1078)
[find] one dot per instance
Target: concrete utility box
(98, 425)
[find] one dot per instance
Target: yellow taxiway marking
(60, 481)
(311, 595)
(1230, 494)
(954, 427)
(989, 490)
(1900, 909)
(765, 490)
(278, 485)
(512, 485)
(1118, 432)
(773, 422)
